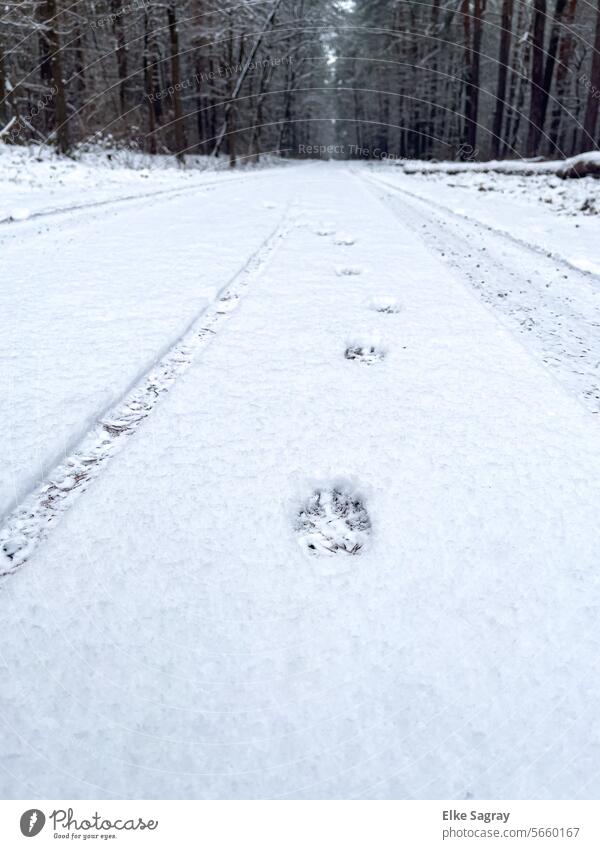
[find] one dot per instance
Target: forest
(446, 79)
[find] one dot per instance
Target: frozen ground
(541, 296)
(557, 216)
(565, 197)
(353, 552)
(92, 298)
(36, 182)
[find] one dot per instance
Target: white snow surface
(556, 216)
(173, 638)
(92, 298)
(36, 181)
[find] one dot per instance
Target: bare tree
(243, 74)
(503, 61)
(537, 77)
(51, 69)
(565, 55)
(536, 129)
(473, 12)
(591, 112)
(176, 80)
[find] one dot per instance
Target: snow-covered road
(92, 298)
(176, 636)
(552, 306)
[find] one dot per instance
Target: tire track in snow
(556, 315)
(515, 240)
(29, 523)
(102, 204)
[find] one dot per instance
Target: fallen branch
(6, 129)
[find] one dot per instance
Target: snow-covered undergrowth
(534, 183)
(35, 178)
(334, 521)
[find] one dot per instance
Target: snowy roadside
(222, 659)
(524, 207)
(579, 165)
(34, 179)
(545, 189)
(553, 308)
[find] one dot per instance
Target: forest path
(204, 598)
(93, 298)
(481, 223)
(19, 220)
(29, 523)
(553, 308)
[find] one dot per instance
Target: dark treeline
(445, 79)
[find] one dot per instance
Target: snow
(30, 522)
(582, 165)
(540, 295)
(51, 183)
(108, 293)
(348, 270)
(500, 166)
(174, 638)
(575, 166)
(333, 521)
(585, 264)
(384, 303)
(523, 207)
(20, 214)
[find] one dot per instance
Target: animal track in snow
(326, 230)
(384, 304)
(332, 522)
(344, 240)
(364, 353)
(348, 271)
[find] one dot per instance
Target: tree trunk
(120, 54)
(473, 33)
(3, 100)
(519, 66)
(176, 81)
(550, 61)
(153, 107)
(536, 104)
(503, 60)
(591, 112)
(565, 54)
(242, 77)
(51, 70)
(435, 19)
(479, 12)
